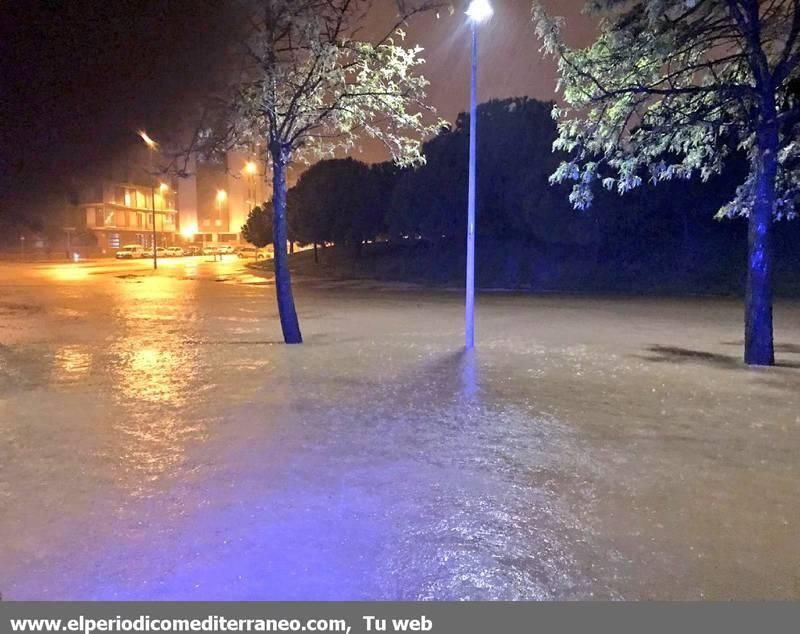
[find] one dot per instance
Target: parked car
(252, 253)
(227, 248)
(130, 252)
(192, 249)
(175, 252)
(211, 249)
(161, 252)
(248, 252)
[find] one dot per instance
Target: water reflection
(469, 375)
(156, 373)
(67, 272)
(71, 364)
(153, 374)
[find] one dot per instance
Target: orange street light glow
(221, 196)
(250, 167)
(188, 232)
(146, 138)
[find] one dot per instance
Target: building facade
(215, 199)
(119, 205)
(122, 212)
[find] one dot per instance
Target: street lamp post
(478, 11)
(222, 196)
(151, 146)
(251, 169)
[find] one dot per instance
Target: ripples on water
(418, 486)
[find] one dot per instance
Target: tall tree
(338, 200)
(309, 87)
(258, 228)
(666, 91)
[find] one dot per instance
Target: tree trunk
(758, 344)
(686, 242)
(283, 281)
(316, 255)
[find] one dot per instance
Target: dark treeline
(661, 238)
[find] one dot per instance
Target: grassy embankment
(537, 268)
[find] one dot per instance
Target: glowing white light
(479, 10)
(146, 138)
(189, 231)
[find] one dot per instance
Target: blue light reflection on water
(414, 496)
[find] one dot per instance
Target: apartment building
(119, 204)
(215, 199)
(123, 212)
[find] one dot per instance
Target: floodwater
(157, 441)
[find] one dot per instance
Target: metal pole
(469, 333)
(153, 205)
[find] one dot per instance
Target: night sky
(510, 63)
(79, 76)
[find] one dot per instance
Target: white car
(226, 248)
(130, 252)
(175, 252)
(161, 252)
(252, 252)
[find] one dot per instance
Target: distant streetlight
(478, 11)
(151, 147)
(222, 196)
(146, 138)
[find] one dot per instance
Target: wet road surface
(159, 442)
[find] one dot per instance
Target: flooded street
(159, 442)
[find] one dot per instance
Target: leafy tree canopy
(340, 200)
(258, 228)
(515, 137)
(666, 91)
(311, 86)
(670, 87)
